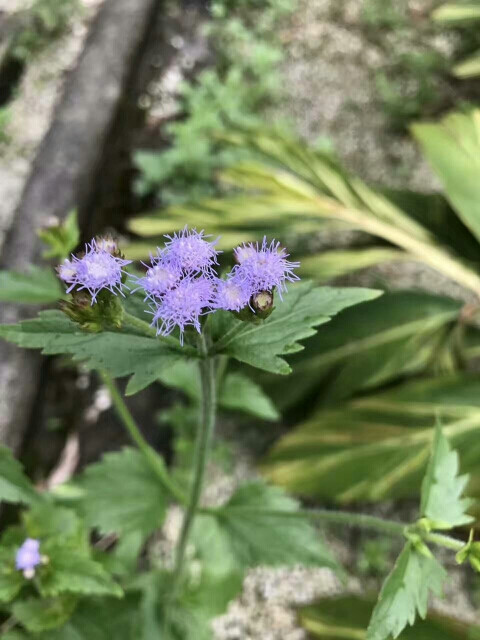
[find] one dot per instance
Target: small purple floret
(232, 294)
(189, 250)
(98, 269)
(28, 555)
(264, 267)
(183, 305)
(161, 276)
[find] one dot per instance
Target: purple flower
(232, 294)
(98, 269)
(183, 305)
(28, 557)
(188, 250)
(161, 276)
(264, 267)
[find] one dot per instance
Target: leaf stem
(135, 434)
(202, 448)
(348, 518)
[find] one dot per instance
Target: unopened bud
(262, 303)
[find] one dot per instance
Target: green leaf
(371, 344)
(405, 593)
(469, 67)
(240, 393)
(56, 526)
(121, 354)
(123, 495)
(61, 239)
(453, 149)
(11, 580)
(71, 572)
(242, 532)
(39, 615)
(303, 308)
(37, 286)
(347, 617)
(98, 619)
(188, 615)
(14, 484)
(376, 447)
(457, 13)
(442, 488)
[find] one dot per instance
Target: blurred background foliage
(363, 398)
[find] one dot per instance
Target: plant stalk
(202, 448)
(130, 425)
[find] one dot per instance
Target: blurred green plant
(245, 79)
(464, 15)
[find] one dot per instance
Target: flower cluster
(28, 557)
(181, 283)
(98, 268)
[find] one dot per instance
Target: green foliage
(43, 614)
(453, 149)
(347, 617)
(119, 353)
(442, 488)
(61, 239)
(39, 285)
(244, 80)
(405, 593)
(43, 22)
(122, 495)
(239, 393)
(240, 532)
(14, 484)
(304, 308)
(377, 446)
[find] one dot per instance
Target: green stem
(348, 518)
(202, 448)
(151, 456)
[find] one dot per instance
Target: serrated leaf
(122, 494)
(38, 285)
(442, 487)
(405, 593)
(121, 354)
(70, 572)
(14, 484)
(304, 307)
(55, 526)
(241, 533)
(37, 614)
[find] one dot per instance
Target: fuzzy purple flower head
(264, 267)
(189, 251)
(161, 276)
(232, 294)
(183, 305)
(28, 557)
(97, 269)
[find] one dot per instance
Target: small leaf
(123, 495)
(14, 484)
(39, 615)
(61, 239)
(442, 487)
(242, 532)
(37, 286)
(405, 594)
(69, 572)
(54, 526)
(303, 308)
(240, 393)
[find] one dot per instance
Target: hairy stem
(202, 448)
(130, 425)
(351, 519)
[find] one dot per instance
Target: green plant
(463, 15)
(243, 81)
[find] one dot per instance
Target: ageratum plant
(78, 564)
